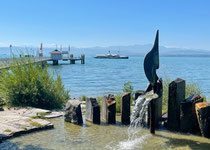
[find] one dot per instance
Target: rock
(108, 109)
(15, 121)
(188, 120)
(203, 116)
(73, 112)
(92, 111)
(176, 96)
(53, 115)
(125, 114)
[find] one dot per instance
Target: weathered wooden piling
(55, 62)
(108, 109)
(92, 110)
(176, 96)
(152, 120)
(188, 119)
(83, 59)
(125, 108)
(157, 102)
(73, 112)
(203, 116)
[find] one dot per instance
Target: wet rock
(92, 111)
(203, 116)
(176, 96)
(125, 115)
(188, 119)
(73, 112)
(108, 109)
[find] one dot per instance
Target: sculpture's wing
(151, 62)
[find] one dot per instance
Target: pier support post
(176, 96)
(125, 108)
(72, 61)
(83, 59)
(55, 62)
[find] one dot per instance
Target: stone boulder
(92, 111)
(108, 114)
(73, 112)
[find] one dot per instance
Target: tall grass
(29, 84)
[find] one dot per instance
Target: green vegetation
(36, 124)
(23, 127)
(83, 98)
(42, 114)
(128, 88)
(99, 100)
(7, 130)
(118, 98)
(29, 84)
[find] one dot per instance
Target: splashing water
(135, 140)
(138, 116)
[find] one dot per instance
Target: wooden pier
(6, 63)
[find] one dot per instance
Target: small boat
(110, 56)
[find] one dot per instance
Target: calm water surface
(98, 77)
(102, 76)
(67, 136)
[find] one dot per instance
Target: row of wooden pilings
(95, 114)
(181, 115)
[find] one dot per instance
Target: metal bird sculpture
(151, 63)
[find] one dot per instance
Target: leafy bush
(128, 88)
(118, 98)
(83, 98)
(29, 84)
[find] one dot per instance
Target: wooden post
(152, 116)
(108, 110)
(176, 96)
(55, 62)
(72, 61)
(83, 59)
(92, 110)
(125, 108)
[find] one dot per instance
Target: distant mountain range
(131, 50)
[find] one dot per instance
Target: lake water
(98, 77)
(67, 136)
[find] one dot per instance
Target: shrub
(128, 88)
(118, 99)
(29, 84)
(83, 98)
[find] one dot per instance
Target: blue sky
(87, 23)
